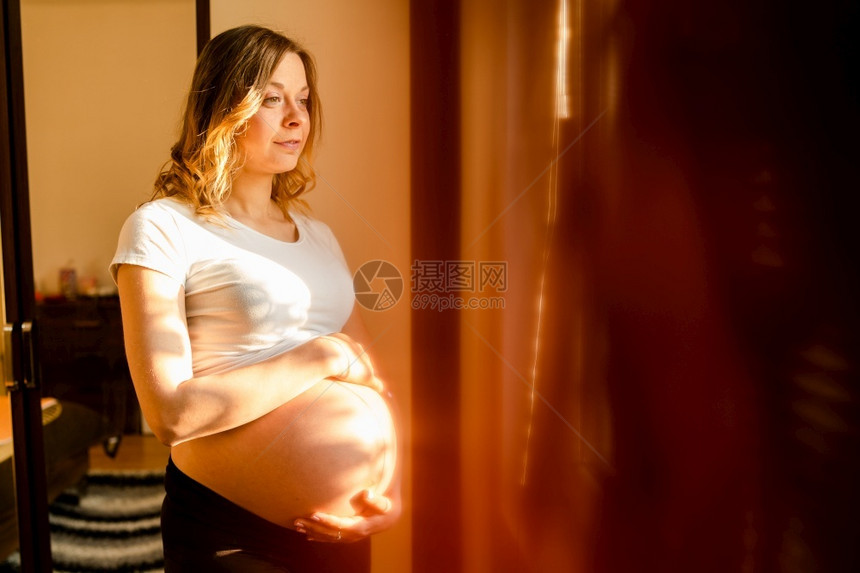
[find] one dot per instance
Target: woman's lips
(290, 144)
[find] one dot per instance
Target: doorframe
(31, 484)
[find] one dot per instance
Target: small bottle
(69, 281)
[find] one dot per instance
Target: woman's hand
(375, 513)
(351, 362)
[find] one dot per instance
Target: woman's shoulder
(153, 237)
(162, 211)
(164, 206)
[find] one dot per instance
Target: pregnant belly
(314, 453)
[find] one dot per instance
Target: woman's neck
(250, 196)
(250, 202)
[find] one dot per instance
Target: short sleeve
(151, 238)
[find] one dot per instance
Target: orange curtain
(667, 385)
(535, 422)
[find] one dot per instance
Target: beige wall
(362, 54)
(104, 82)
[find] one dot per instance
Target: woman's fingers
(331, 529)
(376, 384)
(375, 515)
(368, 503)
(358, 369)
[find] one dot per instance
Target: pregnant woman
(242, 336)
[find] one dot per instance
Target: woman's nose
(293, 115)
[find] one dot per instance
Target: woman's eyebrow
(281, 86)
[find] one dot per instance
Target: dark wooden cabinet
(81, 357)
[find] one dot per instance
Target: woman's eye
(272, 100)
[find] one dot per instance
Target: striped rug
(110, 524)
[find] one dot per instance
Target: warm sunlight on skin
(313, 454)
(275, 136)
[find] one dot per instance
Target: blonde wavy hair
(226, 91)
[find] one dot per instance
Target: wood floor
(135, 452)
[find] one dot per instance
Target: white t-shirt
(248, 296)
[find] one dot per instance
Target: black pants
(203, 531)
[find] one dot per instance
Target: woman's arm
(181, 407)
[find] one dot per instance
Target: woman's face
(277, 133)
